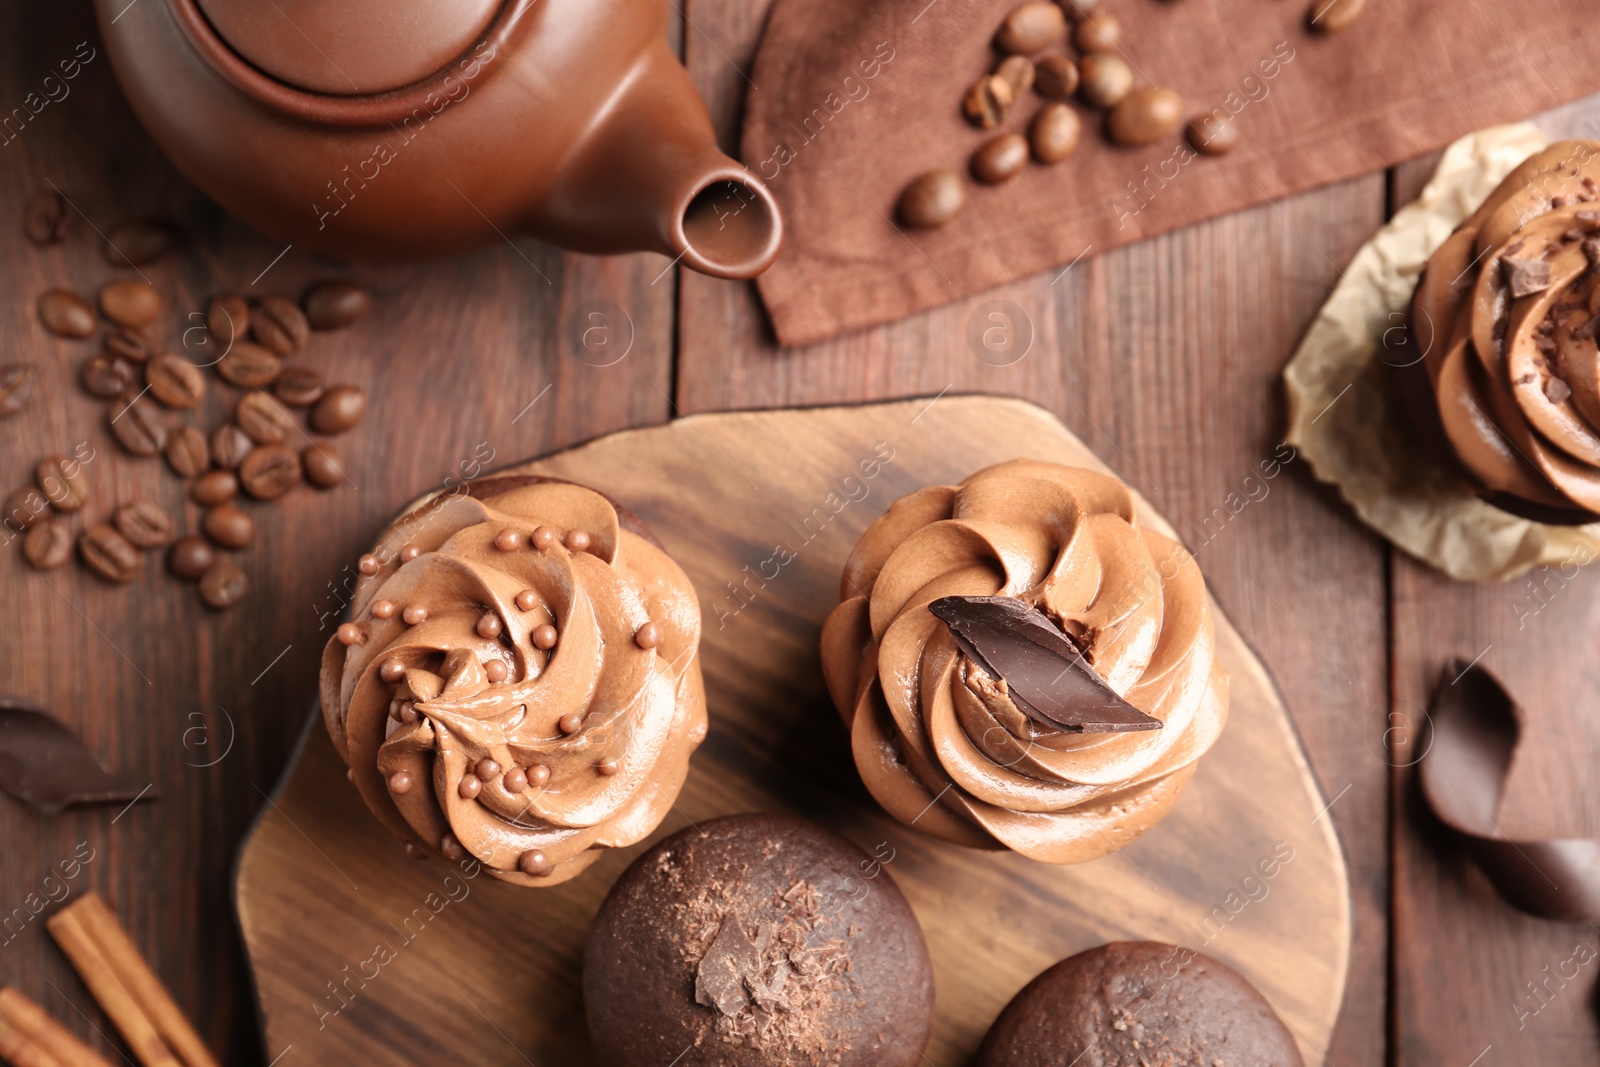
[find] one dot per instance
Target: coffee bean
(229, 446)
(324, 469)
(333, 305)
(62, 482)
(130, 302)
(1055, 77)
(129, 343)
(66, 314)
(269, 472)
(107, 553)
(1145, 116)
(1018, 72)
(1106, 79)
(187, 452)
(135, 243)
(48, 545)
(1331, 16)
(16, 385)
(933, 199)
(1100, 32)
(339, 409)
(1055, 132)
(1031, 28)
(214, 487)
(175, 381)
(279, 325)
(249, 366)
(1000, 158)
(48, 218)
(223, 584)
(1213, 136)
(190, 557)
(228, 526)
(299, 386)
(263, 418)
(228, 318)
(105, 376)
(143, 524)
(138, 426)
(23, 508)
(988, 101)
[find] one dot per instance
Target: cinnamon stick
(29, 1037)
(125, 986)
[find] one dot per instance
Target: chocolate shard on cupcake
(1506, 315)
(1023, 665)
(519, 680)
(1136, 1004)
(757, 941)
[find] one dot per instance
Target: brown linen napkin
(854, 98)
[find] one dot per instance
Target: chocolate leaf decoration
(1476, 725)
(44, 765)
(1045, 671)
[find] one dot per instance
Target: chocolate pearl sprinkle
(394, 708)
(496, 670)
(538, 774)
(489, 627)
(648, 635)
(570, 723)
(350, 634)
(451, 847)
(350, 774)
(577, 541)
(544, 537)
(527, 600)
(414, 852)
(414, 614)
(515, 781)
(608, 766)
(508, 540)
(535, 864)
(543, 637)
(469, 788)
(409, 713)
(368, 565)
(392, 670)
(383, 609)
(487, 769)
(409, 553)
(400, 783)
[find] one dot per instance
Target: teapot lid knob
(349, 47)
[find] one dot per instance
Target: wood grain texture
(1537, 633)
(157, 685)
(993, 920)
(1164, 357)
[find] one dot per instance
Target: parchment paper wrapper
(1347, 414)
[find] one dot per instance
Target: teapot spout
(649, 176)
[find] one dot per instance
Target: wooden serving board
(362, 955)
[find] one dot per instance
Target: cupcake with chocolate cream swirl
(519, 680)
(1023, 665)
(1506, 316)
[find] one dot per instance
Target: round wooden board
(361, 955)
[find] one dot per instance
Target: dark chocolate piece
(1476, 725)
(1525, 276)
(1045, 672)
(44, 765)
(720, 976)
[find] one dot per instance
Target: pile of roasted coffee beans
(1032, 42)
(262, 452)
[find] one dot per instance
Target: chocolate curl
(1476, 726)
(44, 765)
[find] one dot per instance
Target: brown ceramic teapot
(397, 128)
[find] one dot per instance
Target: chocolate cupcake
(757, 940)
(1136, 1004)
(519, 680)
(1023, 665)
(1506, 315)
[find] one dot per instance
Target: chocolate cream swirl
(1505, 316)
(939, 742)
(519, 680)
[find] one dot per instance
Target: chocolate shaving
(1476, 725)
(1557, 391)
(1525, 276)
(1045, 673)
(1591, 251)
(44, 765)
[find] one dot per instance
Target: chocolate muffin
(757, 940)
(1023, 664)
(1139, 1004)
(519, 679)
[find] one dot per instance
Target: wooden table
(1165, 357)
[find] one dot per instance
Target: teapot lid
(349, 47)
